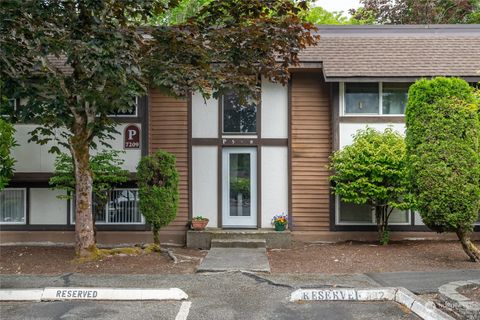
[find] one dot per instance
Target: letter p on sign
(131, 137)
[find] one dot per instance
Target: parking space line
(184, 311)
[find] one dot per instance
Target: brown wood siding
(168, 130)
(311, 140)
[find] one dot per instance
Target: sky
(338, 5)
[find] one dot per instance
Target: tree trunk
(156, 236)
(84, 228)
(467, 245)
(381, 215)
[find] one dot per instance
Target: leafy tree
(372, 171)
(109, 61)
(158, 190)
(443, 133)
(418, 11)
(7, 163)
(318, 15)
(107, 173)
(185, 9)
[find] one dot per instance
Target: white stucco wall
(348, 130)
(204, 117)
(204, 184)
(32, 157)
(46, 208)
(130, 157)
(418, 219)
(274, 183)
(274, 110)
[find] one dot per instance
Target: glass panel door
(239, 187)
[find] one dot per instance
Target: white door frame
(239, 221)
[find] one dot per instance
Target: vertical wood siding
(168, 130)
(311, 147)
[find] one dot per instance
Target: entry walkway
(235, 259)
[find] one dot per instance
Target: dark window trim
(63, 227)
(137, 111)
(367, 117)
(258, 120)
(372, 119)
(240, 141)
(26, 203)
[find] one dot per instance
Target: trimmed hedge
(7, 142)
(443, 131)
(158, 190)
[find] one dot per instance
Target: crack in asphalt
(260, 279)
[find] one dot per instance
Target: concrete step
(238, 243)
(274, 239)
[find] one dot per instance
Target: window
(374, 98)
(12, 206)
(10, 108)
(127, 113)
(394, 98)
(361, 98)
(238, 118)
(121, 208)
(350, 213)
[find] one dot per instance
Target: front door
(239, 188)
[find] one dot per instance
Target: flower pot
(199, 224)
(280, 227)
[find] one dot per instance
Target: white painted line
(184, 311)
(63, 294)
(21, 294)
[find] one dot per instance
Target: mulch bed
(471, 292)
(58, 260)
(349, 257)
(356, 257)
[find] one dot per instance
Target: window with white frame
(366, 98)
(13, 206)
(121, 208)
(355, 214)
(128, 112)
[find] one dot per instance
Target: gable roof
(387, 53)
(396, 52)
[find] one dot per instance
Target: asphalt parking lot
(212, 296)
(203, 310)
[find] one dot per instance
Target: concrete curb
(424, 309)
(21, 294)
(466, 307)
(81, 293)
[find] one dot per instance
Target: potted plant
(280, 222)
(199, 223)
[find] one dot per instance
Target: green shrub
(7, 142)
(158, 190)
(443, 132)
(372, 171)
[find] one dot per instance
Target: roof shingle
(401, 51)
